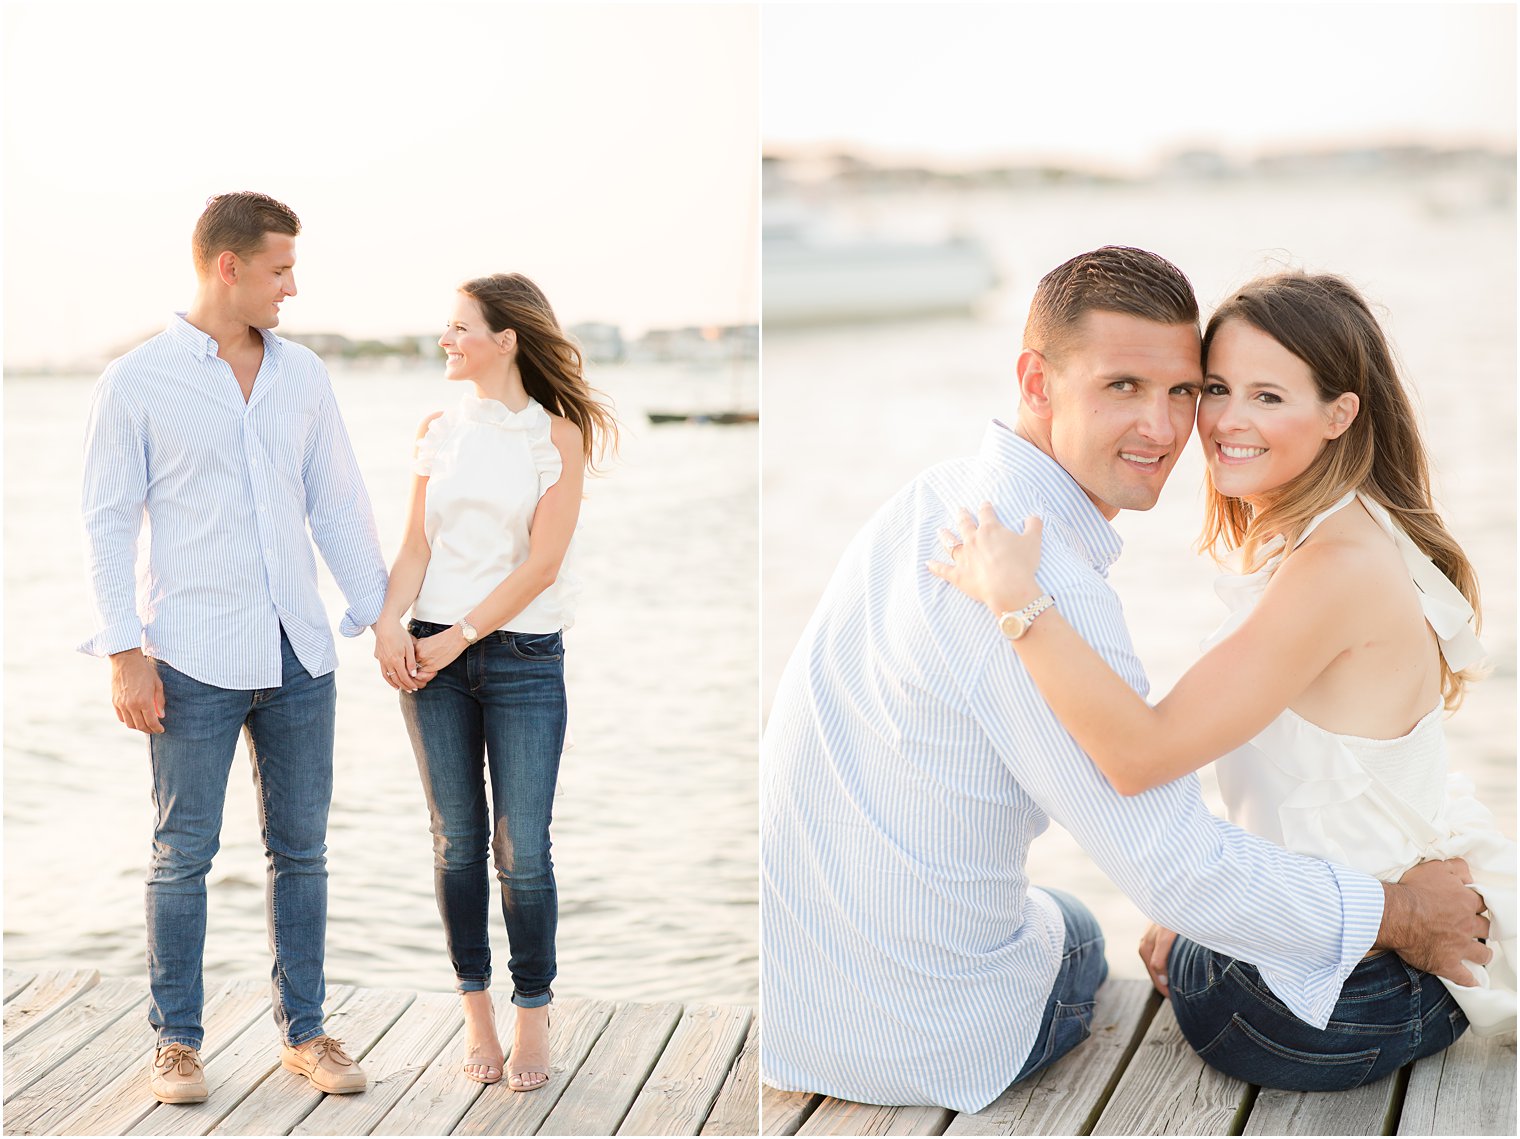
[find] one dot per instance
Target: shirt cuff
(362, 615)
(1312, 997)
(115, 638)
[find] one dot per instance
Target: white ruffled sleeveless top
(1379, 806)
(487, 467)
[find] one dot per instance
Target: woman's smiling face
(1260, 418)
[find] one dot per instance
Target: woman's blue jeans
(290, 746)
(498, 708)
(1069, 1009)
(1388, 1015)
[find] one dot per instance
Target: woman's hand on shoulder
(989, 562)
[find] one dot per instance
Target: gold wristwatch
(1015, 622)
(470, 635)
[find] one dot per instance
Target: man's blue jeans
(1388, 1015)
(290, 746)
(498, 706)
(1069, 1010)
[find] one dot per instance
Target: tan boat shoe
(177, 1075)
(323, 1061)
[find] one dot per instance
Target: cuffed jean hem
(320, 1030)
(532, 1000)
(471, 984)
(187, 1041)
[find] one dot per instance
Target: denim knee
(521, 863)
(175, 866)
(453, 850)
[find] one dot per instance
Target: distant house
(601, 342)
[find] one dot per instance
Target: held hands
(989, 562)
(437, 652)
(1155, 950)
(395, 649)
(137, 693)
(1433, 918)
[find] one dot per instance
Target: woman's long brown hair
(1324, 321)
(551, 364)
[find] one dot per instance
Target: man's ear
(1034, 382)
(227, 267)
(1343, 411)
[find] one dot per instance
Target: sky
(1113, 85)
(608, 152)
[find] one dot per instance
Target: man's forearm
(1398, 914)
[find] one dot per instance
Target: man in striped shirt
(228, 440)
(909, 761)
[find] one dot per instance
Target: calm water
(654, 837)
(852, 413)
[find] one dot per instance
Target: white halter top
(1379, 806)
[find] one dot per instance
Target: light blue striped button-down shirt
(228, 489)
(908, 763)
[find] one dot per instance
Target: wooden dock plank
(284, 1099)
(1167, 1090)
(48, 993)
(1359, 1111)
(680, 1093)
(1066, 1098)
(736, 1111)
(843, 1117)
(501, 1111)
(240, 1068)
(782, 1113)
(118, 1061)
(15, 981)
(68, 1030)
(392, 1065)
(440, 1096)
(1467, 1090)
(614, 1071)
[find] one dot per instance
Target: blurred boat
(719, 417)
(810, 280)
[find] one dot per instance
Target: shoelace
(180, 1057)
(331, 1046)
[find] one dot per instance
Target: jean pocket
(1069, 1026)
(537, 646)
(1250, 1055)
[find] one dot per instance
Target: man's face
(264, 280)
(1122, 400)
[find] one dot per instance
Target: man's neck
(230, 333)
(1036, 433)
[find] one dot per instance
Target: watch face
(1013, 625)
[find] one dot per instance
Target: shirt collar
(1057, 492)
(201, 344)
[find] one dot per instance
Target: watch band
(470, 635)
(1014, 623)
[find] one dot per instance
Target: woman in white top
(1348, 642)
(485, 569)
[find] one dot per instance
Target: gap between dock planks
(644, 1069)
(1136, 1075)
